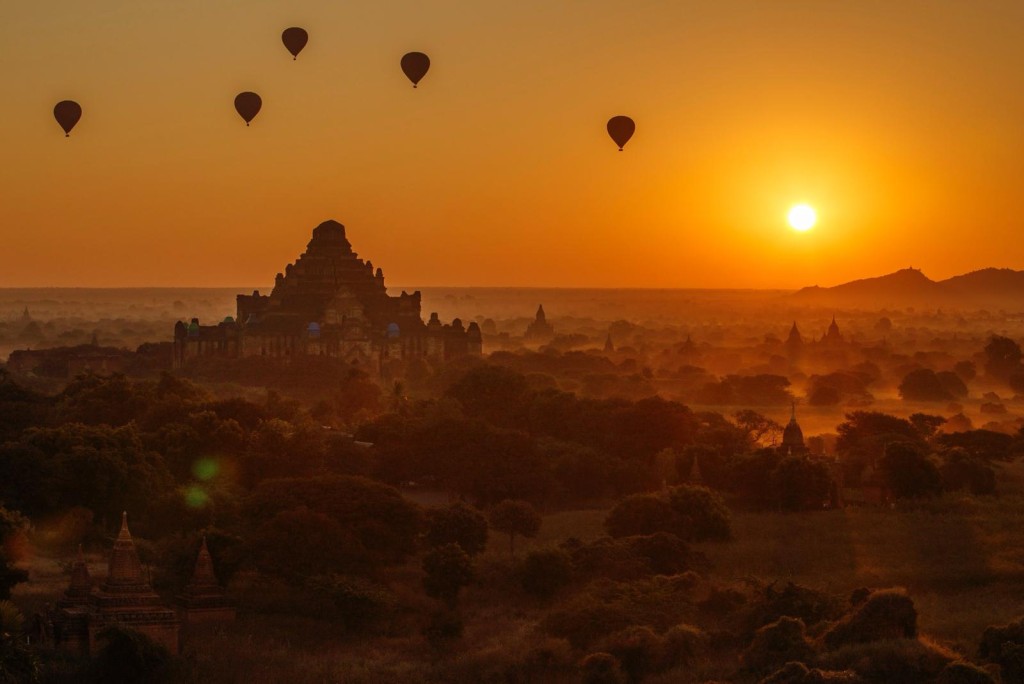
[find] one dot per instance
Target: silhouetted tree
(925, 384)
(987, 445)
(494, 393)
(377, 515)
(909, 473)
(448, 569)
(1002, 357)
(300, 543)
(960, 470)
(750, 477)
(926, 424)
(515, 518)
(759, 428)
(801, 483)
(864, 435)
(544, 573)
(824, 395)
(966, 370)
(458, 524)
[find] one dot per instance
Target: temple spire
(125, 570)
(81, 582)
(124, 534)
(203, 576)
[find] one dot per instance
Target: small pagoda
(204, 599)
(125, 599)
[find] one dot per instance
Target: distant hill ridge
(986, 288)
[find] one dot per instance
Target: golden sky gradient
(901, 122)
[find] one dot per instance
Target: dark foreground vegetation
(510, 532)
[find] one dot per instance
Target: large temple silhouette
(328, 303)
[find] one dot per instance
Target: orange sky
(901, 122)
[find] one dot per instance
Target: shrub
(722, 601)
(665, 554)
(798, 673)
(964, 673)
(1004, 645)
(907, 661)
(795, 601)
(703, 514)
(352, 601)
(585, 620)
(604, 608)
(601, 668)
(638, 650)
(635, 557)
(512, 659)
(544, 573)
(859, 596)
(886, 614)
(608, 558)
(776, 644)
(641, 514)
(682, 645)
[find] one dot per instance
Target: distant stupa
(540, 329)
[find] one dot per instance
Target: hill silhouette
(989, 288)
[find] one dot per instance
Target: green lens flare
(196, 497)
(205, 469)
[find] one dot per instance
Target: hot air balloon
(294, 39)
(415, 65)
(67, 113)
(248, 105)
(621, 129)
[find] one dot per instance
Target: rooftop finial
(124, 533)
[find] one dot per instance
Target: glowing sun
(802, 217)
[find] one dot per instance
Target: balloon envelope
(294, 39)
(621, 129)
(415, 65)
(248, 105)
(67, 113)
